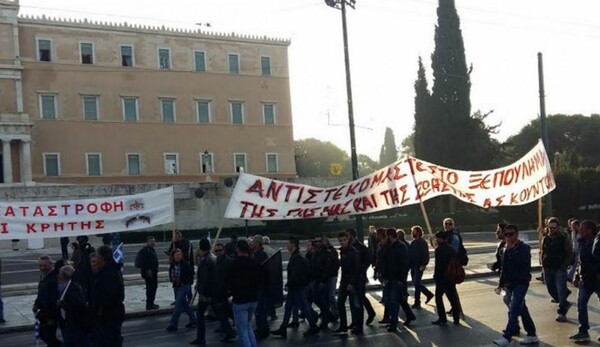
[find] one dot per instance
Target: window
(239, 162)
(87, 52)
(234, 63)
(272, 165)
(133, 164)
(167, 107)
(48, 106)
(171, 163)
(206, 163)
(269, 114)
(90, 107)
(164, 58)
(51, 164)
(130, 109)
(126, 55)
(44, 49)
(203, 111)
(265, 66)
(237, 112)
(199, 61)
(94, 164)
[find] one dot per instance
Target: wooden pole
(218, 232)
(423, 210)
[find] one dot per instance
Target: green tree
(389, 152)
(314, 158)
(366, 165)
(425, 137)
(589, 181)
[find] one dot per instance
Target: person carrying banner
(205, 287)
(297, 279)
(147, 261)
(557, 254)
(366, 261)
(515, 278)
(107, 294)
(73, 310)
(443, 254)
(181, 275)
(418, 251)
(351, 285)
(44, 307)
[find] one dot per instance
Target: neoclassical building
(89, 102)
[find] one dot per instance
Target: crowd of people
(83, 298)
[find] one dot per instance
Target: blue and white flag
(118, 253)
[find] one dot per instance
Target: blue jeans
(182, 304)
(583, 297)
(242, 315)
(556, 282)
(296, 300)
(356, 304)
(416, 274)
(517, 308)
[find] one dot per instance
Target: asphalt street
(484, 310)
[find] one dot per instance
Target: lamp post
(341, 4)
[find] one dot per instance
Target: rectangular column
(6, 161)
(26, 161)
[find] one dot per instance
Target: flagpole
(423, 211)
(218, 232)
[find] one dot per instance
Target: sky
(386, 38)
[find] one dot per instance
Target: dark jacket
(418, 253)
(443, 254)
(47, 297)
(76, 309)
(298, 272)
(243, 279)
(206, 277)
(596, 246)
(260, 256)
(186, 274)
(589, 265)
(106, 295)
(222, 266)
(497, 265)
(516, 266)
(396, 262)
(365, 257)
(557, 252)
(149, 260)
(322, 268)
(335, 259)
(351, 265)
(380, 256)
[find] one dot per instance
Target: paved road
(485, 318)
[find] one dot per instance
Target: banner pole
(218, 232)
(540, 224)
(423, 211)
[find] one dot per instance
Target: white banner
(42, 219)
(402, 183)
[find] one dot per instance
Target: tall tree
(424, 129)
(389, 152)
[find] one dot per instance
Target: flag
(118, 253)
(36, 330)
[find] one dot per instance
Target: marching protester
(418, 260)
(372, 242)
(298, 278)
(351, 286)
(515, 278)
(230, 246)
(574, 225)
(147, 261)
(82, 264)
(186, 247)
(107, 294)
(64, 247)
(587, 278)
(267, 246)
(333, 268)
(365, 260)
(205, 287)
(73, 314)
(243, 279)
(323, 268)
(443, 286)
(557, 254)
(455, 241)
(181, 275)
(45, 306)
(259, 255)
(220, 303)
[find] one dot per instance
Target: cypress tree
(389, 152)
(423, 128)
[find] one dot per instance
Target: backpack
(463, 258)
(139, 259)
(455, 273)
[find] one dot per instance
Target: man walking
(260, 256)
(148, 263)
(297, 280)
(220, 303)
(244, 278)
(323, 264)
(73, 310)
(351, 285)
(557, 254)
(443, 254)
(515, 278)
(366, 261)
(586, 278)
(106, 299)
(418, 259)
(44, 307)
(205, 287)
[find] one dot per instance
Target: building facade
(89, 102)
